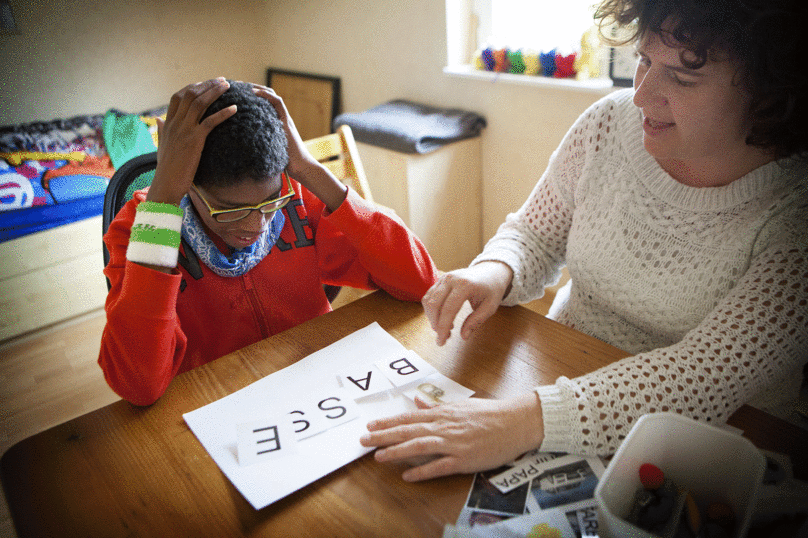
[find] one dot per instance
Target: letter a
(357, 381)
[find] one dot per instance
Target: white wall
(391, 49)
(85, 56)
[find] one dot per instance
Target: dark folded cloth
(411, 127)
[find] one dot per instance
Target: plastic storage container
(710, 462)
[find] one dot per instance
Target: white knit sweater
(707, 287)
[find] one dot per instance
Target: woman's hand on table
(459, 437)
(484, 285)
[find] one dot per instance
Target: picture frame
(312, 100)
(622, 64)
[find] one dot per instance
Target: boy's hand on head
(181, 138)
(299, 157)
(303, 167)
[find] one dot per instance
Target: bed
(53, 176)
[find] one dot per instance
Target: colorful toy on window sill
(548, 64)
(583, 64)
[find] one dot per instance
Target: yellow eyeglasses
(266, 208)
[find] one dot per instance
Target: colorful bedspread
(53, 173)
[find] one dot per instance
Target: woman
(679, 208)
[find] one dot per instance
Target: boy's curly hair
(765, 37)
(251, 144)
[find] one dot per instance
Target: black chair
(136, 174)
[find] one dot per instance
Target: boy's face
(247, 193)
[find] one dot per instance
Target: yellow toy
(531, 60)
(587, 63)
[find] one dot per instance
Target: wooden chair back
(338, 152)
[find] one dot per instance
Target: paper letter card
(364, 380)
(263, 440)
(309, 416)
(404, 368)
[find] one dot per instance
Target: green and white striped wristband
(155, 236)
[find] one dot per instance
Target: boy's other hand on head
(299, 157)
(181, 138)
(303, 167)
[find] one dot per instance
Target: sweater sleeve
(533, 241)
(366, 246)
(142, 345)
(756, 337)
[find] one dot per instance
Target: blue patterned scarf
(241, 260)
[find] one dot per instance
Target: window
(541, 25)
(537, 25)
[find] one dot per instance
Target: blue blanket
(31, 200)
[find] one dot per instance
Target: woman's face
(692, 119)
(241, 233)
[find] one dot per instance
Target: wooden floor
(52, 376)
(46, 379)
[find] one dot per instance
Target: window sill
(600, 86)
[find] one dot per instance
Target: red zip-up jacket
(159, 325)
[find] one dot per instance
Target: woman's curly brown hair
(765, 37)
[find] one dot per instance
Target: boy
(234, 239)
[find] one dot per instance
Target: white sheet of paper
(266, 482)
(436, 389)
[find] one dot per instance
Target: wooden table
(129, 471)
